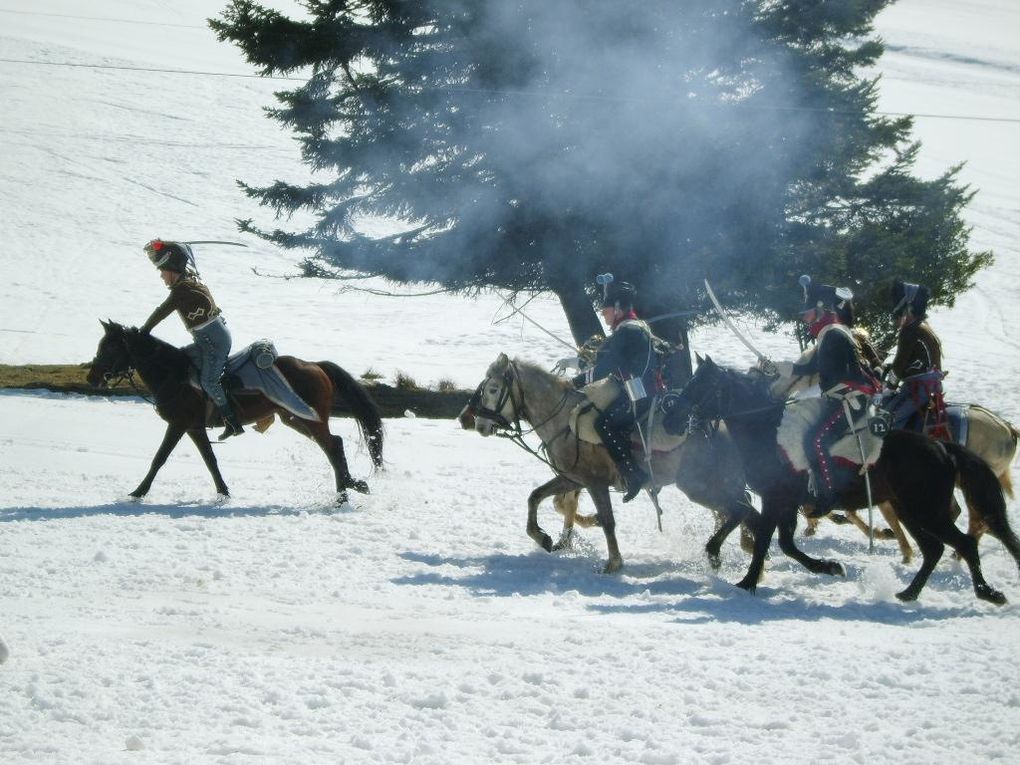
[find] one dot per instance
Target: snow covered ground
(421, 624)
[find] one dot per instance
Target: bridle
(127, 374)
(505, 428)
(506, 394)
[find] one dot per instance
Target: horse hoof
(747, 586)
(811, 530)
(715, 561)
(546, 543)
(907, 596)
(359, 486)
(834, 568)
(885, 534)
(566, 543)
(613, 566)
(137, 494)
(992, 596)
(342, 498)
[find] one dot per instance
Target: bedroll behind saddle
(599, 395)
(253, 371)
(803, 416)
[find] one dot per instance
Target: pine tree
(530, 145)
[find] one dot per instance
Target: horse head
(700, 399)
(492, 406)
(113, 357)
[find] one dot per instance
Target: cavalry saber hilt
(732, 327)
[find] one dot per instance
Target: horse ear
(697, 358)
(708, 360)
(104, 324)
(503, 360)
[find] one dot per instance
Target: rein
(512, 431)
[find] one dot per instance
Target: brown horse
(706, 469)
(165, 369)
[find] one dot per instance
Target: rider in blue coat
(629, 356)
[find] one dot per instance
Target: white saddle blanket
(599, 396)
(803, 416)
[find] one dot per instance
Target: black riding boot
(233, 425)
(616, 438)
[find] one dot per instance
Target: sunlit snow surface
(421, 624)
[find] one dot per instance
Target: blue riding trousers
(209, 353)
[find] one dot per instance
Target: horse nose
(466, 418)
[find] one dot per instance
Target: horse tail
(984, 495)
(365, 410)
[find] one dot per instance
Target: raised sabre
(747, 343)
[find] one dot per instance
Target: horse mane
(535, 370)
(151, 346)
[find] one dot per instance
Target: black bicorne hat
(168, 256)
(909, 297)
(619, 295)
(824, 296)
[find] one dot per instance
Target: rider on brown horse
(915, 373)
(202, 317)
(629, 356)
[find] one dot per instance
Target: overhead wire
(520, 93)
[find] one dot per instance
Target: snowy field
(421, 624)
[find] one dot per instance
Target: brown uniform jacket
(918, 350)
(191, 299)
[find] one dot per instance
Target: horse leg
(566, 505)
(766, 527)
(787, 527)
(889, 513)
(741, 513)
(174, 433)
(931, 551)
(604, 510)
(201, 440)
(333, 447)
(558, 485)
(967, 547)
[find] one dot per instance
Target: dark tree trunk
(580, 312)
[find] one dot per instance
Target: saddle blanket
(803, 416)
(254, 370)
(956, 422)
(601, 394)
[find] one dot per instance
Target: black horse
(914, 473)
(164, 369)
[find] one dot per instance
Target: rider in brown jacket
(193, 301)
(915, 374)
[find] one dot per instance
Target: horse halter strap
(496, 414)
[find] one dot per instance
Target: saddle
(802, 417)
(253, 372)
(598, 396)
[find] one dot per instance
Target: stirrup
(229, 431)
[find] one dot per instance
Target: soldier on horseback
(629, 356)
(914, 376)
(203, 319)
(842, 365)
